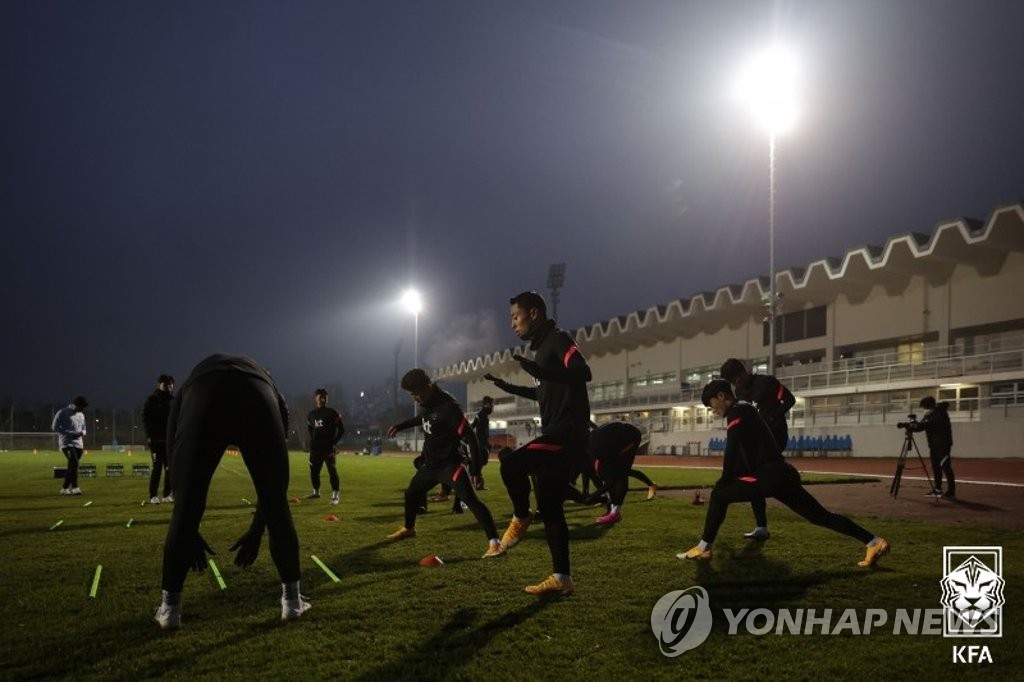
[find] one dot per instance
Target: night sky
(266, 178)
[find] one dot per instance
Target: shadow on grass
(454, 645)
(746, 578)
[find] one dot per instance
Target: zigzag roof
(961, 241)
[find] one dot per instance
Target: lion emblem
(973, 592)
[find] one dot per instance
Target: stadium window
(799, 325)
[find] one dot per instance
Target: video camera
(910, 423)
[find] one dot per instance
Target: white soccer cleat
(168, 617)
(76, 491)
(293, 608)
(154, 500)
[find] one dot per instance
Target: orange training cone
(431, 561)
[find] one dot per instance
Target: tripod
(901, 462)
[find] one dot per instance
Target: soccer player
(482, 427)
(69, 423)
(155, 412)
(445, 427)
(228, 400)
(561, 373)
(612, 450)
(325, 431)
(773, 402)
(753, 467)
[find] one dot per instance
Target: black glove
(199, 560)
(418, 463)
(491, 377)
(248, 546)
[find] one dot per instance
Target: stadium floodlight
(769, 85)
(414, 304)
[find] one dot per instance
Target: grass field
(388, 618)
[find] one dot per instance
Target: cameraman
(935, 424)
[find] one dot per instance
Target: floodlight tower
(556, 278)
(769, 85)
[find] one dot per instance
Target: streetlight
(769, 85)
(414, 304)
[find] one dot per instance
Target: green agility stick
(247, 501)
(216, 574)
(96, 582)
(87, 503)
(129, 524)
(330, 574)
(54, 526)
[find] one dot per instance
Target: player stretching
(445, 427)
(753, 467)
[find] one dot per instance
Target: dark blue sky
(267, 177)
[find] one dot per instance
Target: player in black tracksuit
(773, 402)
(753, 467)
(612, 450)
(445, 427)
(228, 400)
(938, 430)
(325, 430)
(561, 374)
(482, 427)
(155, 412)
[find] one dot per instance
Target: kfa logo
(972, 598)
(426, 425)
(318, 423)
(681, 620)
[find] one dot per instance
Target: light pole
(769, 85)
(414, 304)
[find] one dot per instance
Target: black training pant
(158, 456)
(72, 454)
(316, 463)
(457, 477)
(617, 474)
(942, 463)
(217, 410)
(550, 459)
(781, 481)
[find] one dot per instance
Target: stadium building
(859, 341)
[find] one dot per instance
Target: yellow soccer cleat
(652, 490)
(695, 553)
(402, 533)
(551, 585)
(874, 553)
(494, 551)
(515, 531)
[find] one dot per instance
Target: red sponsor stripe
(568, 354)
(462, 426)
(734, 422)
(550, 447)
(458, 472)
(597, 466)
(782, 391)
(626, 449)
(747, 479)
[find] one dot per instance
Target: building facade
(859, 341)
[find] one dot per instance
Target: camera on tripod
(909, 424)
(909, 427)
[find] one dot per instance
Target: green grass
(388, 618)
